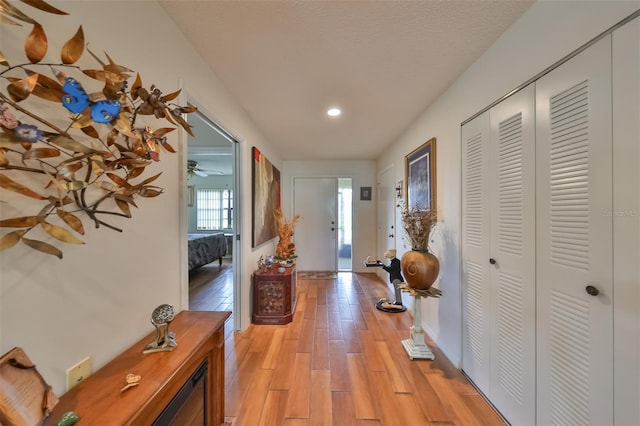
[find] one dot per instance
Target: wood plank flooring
(340, 362)
(211, 287)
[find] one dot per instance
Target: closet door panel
(574, 240)
(476, 308)
(512, 189)
(626, 221)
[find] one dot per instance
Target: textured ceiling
(382, 62)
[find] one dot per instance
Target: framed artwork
(365, 193)
(420, 176)
(265, 197)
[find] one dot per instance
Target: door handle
(591, 290)
(333, 229)
(492, 261)
(390, 235)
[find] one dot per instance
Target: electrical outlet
(78, 372)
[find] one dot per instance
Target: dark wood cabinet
(274, 295)
(98, 400)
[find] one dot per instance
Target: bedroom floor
(211, 287)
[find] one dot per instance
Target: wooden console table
(274, 295)
(98, 399)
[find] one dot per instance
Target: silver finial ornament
(165, 340)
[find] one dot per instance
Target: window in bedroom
(214, 209)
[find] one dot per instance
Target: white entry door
(315, 200)
(386, 215)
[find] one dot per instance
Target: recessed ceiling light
(334, 112)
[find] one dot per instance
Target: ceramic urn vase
(419, 269)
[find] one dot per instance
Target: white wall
(363, 173)
(547, 32)
(97, 301)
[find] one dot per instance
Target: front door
(316, 232)
(386, 214)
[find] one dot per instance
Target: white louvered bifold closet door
(512, 264)
(498, 251)
(476, 279)
(574, 241)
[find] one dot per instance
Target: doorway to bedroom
(211, 215)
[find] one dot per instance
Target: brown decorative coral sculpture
(285, 249)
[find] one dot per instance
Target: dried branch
(418, 224)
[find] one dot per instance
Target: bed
(205, 248)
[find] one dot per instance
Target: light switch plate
(78, 372)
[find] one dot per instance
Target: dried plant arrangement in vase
(286, 249)
(418, 224)
(419, 267)
(71, 141)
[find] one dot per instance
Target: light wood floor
(341, 362)
(211, 288)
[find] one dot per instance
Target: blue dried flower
(28, 133)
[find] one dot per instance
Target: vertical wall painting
(420, 176)
(265, 198)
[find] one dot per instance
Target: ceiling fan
(193, 169)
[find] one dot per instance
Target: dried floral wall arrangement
(69, 152)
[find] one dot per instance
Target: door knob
(492, 261)
(591, 290)
(333, 229)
